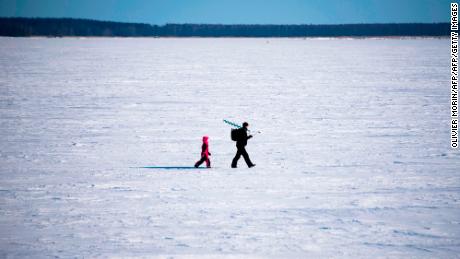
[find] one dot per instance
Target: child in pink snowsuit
(204, 154)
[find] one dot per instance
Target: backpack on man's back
(235, 134)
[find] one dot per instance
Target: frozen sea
(353, 155)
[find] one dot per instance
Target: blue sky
(235, 11)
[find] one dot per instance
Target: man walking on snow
(241, 143)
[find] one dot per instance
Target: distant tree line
(59, 27)
(18, 27)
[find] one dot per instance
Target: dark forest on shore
(62, 27)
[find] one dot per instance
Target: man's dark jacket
(242, 137)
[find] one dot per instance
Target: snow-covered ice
(353, 158)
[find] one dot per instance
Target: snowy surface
(353, 159)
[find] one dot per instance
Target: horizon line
(224, 24)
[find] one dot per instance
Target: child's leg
(197, 164)
(208, 162)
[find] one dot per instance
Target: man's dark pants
(241, 151)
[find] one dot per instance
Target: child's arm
(203, 148)
(206, 149)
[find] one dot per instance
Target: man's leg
(208, 162)
(235, 159)
(246, 157)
